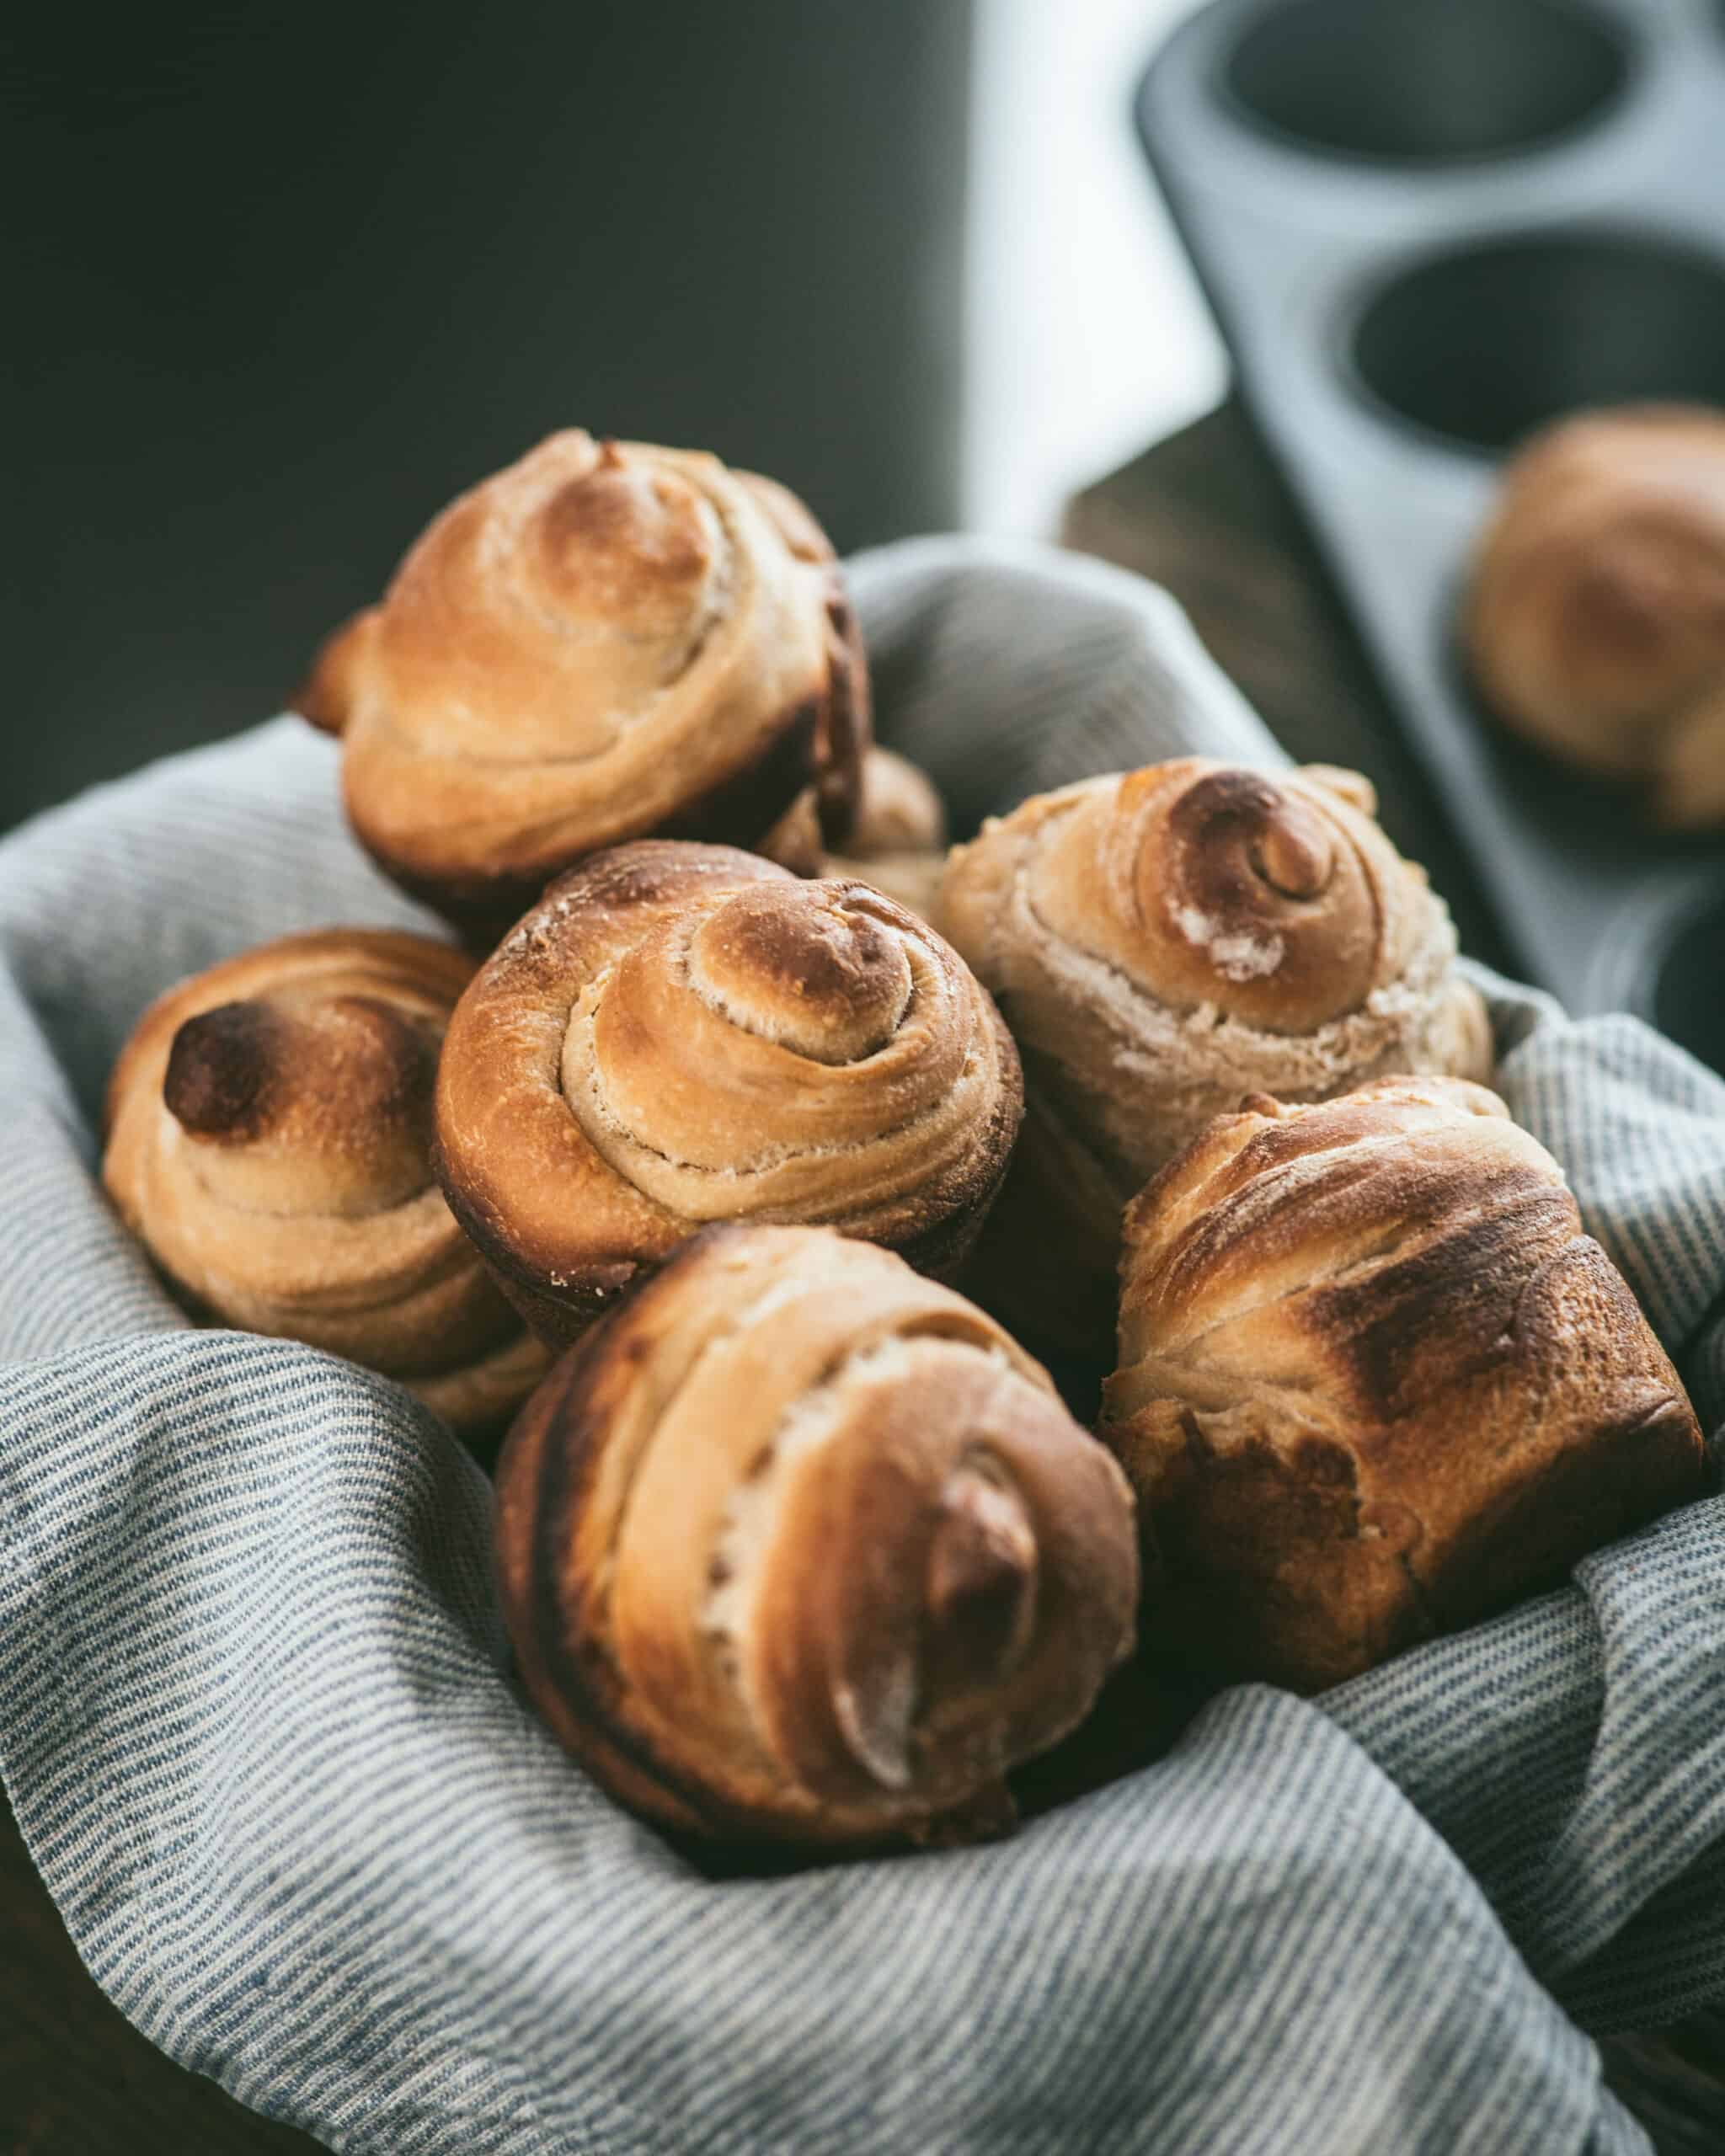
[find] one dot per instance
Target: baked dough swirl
(269, 1139)
(1162, 943)
(798, 1544)
(678, 1034)
(1374, 1381)
(604, 641)
(1595, 614)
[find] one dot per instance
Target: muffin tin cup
(1480, 344)
(1424, 83)
(1428, 228)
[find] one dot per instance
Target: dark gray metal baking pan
(1428, 226)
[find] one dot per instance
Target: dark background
(283, 280)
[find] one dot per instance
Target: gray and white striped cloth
(256, 1724)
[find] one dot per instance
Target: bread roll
(899, 843)
(796, 1545)
(269, 1133)
(678, 1034)
(1162, 943)
(1375, 1382)
(603, 641)
(1595, 617)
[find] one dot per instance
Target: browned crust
(544, 1474)
(1375, 1383)
(847, 716)
(221, 1070)
(818, 1628)
(740, 810)
(439, 967)
(442, 692)
(562, 1229)
(267, 1138)
(559, 1316)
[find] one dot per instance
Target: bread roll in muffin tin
(1428, 228)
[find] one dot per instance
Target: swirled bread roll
(678, 1034)
(269, 1137)
(1374, 1381)
(899, 842)
(604, 641)
(1596, 615)
(1162, 943)
(798, 1544)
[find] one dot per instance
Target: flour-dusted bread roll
(899, 842)
(1161, 944)
(1596, 615)
(678, 1034)
(1374, 1381)
(796, 1545)
(268, 1139)
(607, 640)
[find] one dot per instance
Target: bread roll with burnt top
(1374, 1381)
(269, 1142)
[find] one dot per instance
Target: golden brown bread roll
(269, 1136)
(899, 842)
(678, 1034)
(798, 1544)
(1162, 943)
(900, 810)
(603, 641)
(1374, 1381)
(1595, 617)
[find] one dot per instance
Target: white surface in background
(1087, 337)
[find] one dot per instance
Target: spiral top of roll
(605, 639)
(1595, 615)
(1375, 1380)
(679, 1034)
(1273, 899)
(798, 1544)
(269, 1136)
(1166, 940)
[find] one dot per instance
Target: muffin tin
(1429, 227)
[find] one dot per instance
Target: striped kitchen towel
(258, 1730)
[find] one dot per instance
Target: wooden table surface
(1203, 514)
